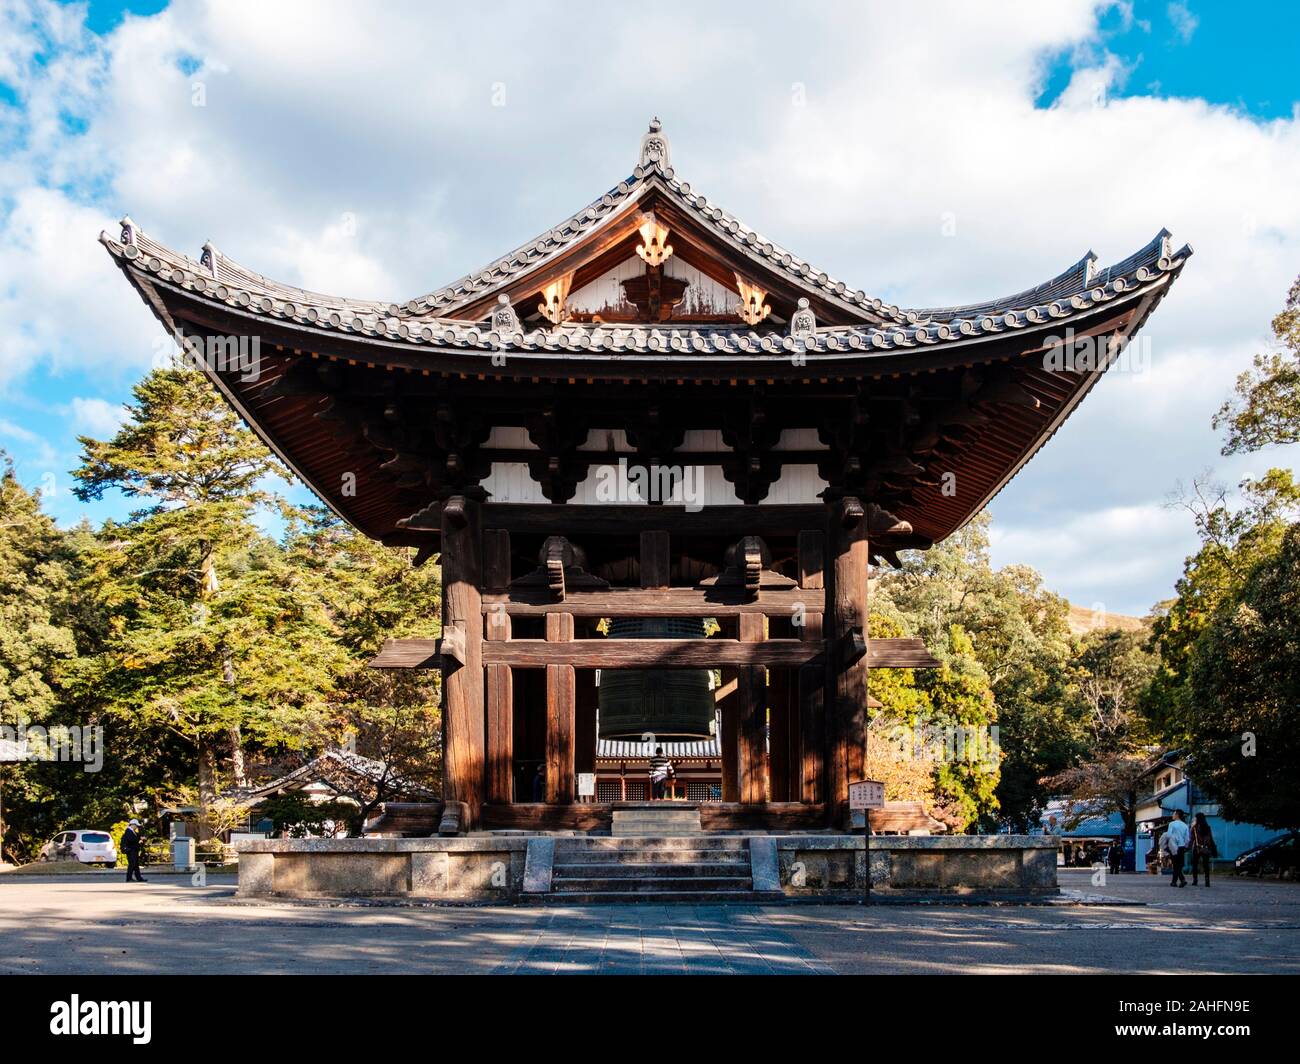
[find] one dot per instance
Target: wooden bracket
(853, 646)
(561, 569)
(747, 563)
(850, 511)
(453, 510)
(452, 644)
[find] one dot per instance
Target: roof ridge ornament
(504, 321)
(128, 230)
(803, 322)
(655, 149)
(208, 257)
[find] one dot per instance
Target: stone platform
(655, 819)
(546, 869)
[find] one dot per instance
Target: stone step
(594, 884)
(656, 842)
(655, 820)
(651, 871)
(615, 858)
(659, 897)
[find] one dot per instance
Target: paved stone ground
(92, 924)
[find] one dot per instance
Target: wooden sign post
(866, 795)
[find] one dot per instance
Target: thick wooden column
(752, 706)
(779, 732)
(656, 569)
(560, 698)
(500, 681)
(808, 740)
(586, 697)
(846, 655)
(462, 682)
(727, 696)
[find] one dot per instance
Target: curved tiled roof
(1074, 292)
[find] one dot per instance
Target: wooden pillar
(846, 716)
(656, 569)
(560, 698)
(462, 682)
(752, 706)
(727, 696)
(779, 733)
(585, 701)
(807, 743)
(500, 682)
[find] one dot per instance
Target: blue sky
(364, 150)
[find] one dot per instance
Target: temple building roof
(651, 310)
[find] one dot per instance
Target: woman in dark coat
(1203, 848)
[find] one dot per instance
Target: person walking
(131, 847)
(661, 770)
(1203, 847)
(1115, 855)
(1176, 840)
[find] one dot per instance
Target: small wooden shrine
(651, 413)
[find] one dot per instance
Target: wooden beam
(714, 652)
(408, 654)
(727, 696)
(809, 697)
(462, 684)
(781, 723)
(500, 713)
(652, 653)
(710, 601)
(655, 559)
(899, 654)
(753, 713)
(579, 520)
(560, 710)
(846, 675)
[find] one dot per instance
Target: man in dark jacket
(131, 847)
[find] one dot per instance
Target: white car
(88, 847)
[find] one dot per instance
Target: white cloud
(1183, 21)
(97, 417)
(358, 150)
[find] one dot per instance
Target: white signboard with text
(867, 794)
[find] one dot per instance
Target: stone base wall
(919, 866)
(455, 869)
(488, 868)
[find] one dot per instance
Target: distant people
(1176, 839)
(1203, 847)
(539, 783)
(131, 847)
(661, 771)
(1116, 855)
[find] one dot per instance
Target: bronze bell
(672, 704)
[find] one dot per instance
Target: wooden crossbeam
(900, 654)
(649, 653)
(654, 653)
(716, 601)
(408, 654)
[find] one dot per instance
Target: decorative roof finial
(655, 150)
(128, 230)
(208, 258)
(803, 323)
(504, 320)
